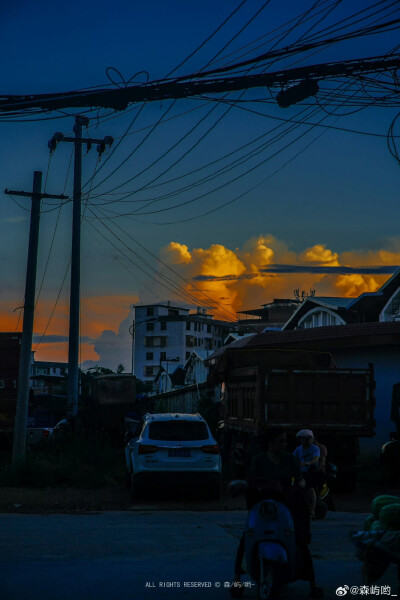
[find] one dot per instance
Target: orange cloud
(215, 260)
(58, 352)
(104, 312)
(250, 287)
(105, 319)
(320, 254)
(98, 313)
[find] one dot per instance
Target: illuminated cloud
(320, 254)
(228, 280)
(105, 322)
(264, 269)
(216, 260)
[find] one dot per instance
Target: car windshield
(178, 431)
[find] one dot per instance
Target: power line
(160, 278)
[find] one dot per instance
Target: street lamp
(132, 332)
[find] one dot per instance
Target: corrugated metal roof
(293, 336)
(333, 300)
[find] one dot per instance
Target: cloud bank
(265, 268)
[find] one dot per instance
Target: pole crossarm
(119, 99)
(29, 194)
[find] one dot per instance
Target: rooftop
(359, 333)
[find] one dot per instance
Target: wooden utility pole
(21, 414)
(74, 307)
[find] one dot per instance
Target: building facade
(164, 335)
(272, 316)
(47, 377)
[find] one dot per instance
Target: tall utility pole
(74, 308)
(21, 414)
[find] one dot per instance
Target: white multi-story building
(47, 375)
(164, 335)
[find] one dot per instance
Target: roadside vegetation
(90, 460)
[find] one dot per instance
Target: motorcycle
(324, 496)
(271, 556)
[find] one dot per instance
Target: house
(320, 311)
(195, 369)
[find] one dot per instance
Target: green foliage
(88, 461)
(120, 369)
(143, 387)
(96, 370)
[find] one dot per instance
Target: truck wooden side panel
(329, 400)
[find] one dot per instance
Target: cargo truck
(294, 390)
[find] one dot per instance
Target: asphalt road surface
(152, 555)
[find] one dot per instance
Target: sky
(197, 197)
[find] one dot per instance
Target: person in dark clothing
(272, 475)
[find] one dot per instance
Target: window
(178, 431)
(190, 341)
(163, 325)
(188, 324)
(163, 356)
(208, 328)
(187, 355)
(150, 312)
(149, 326)
(148, 371)
(155, 342)
(149, 356)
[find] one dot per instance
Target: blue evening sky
(342, 190)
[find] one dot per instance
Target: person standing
(308, 456)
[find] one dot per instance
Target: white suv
(174, 448)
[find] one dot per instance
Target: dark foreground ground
(117, 497)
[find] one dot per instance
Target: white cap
(305, 433)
